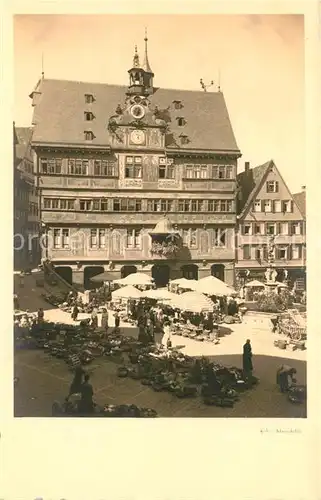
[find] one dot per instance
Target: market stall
(135, 279)
(214, 287)
(160, 294)
(183, 284)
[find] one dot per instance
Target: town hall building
(135, 178)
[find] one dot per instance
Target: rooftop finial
(146, 66)
(205, 87)
(136, 58)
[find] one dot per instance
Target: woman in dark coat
(247, 359)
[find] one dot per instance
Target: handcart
(293, 325)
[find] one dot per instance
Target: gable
(283, 193)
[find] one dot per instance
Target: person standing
(41, 315)
(86, 404)
(75, 312)
(94, 318)
(77, 381)
(104, 321)
(117, 319)
(247, 359)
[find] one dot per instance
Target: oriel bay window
(97, 238)
(127, 205)
(105, 168)
(60, 238)
(77, 166)
(58, 204)
(50, 165)
(133, 237)
(166, 169)
(133, 167)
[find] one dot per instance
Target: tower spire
(146, 66)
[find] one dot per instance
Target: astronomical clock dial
(137, 137)
(137, 111)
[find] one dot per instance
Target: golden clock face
(137, 137)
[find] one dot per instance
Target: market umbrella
(213, 286)
(255, 284)
(159, 294)
(192, 302)
(127, 292)
(105, 276)
(135, 279)
(185, 283)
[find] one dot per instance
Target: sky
(257, 59)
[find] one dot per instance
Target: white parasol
(192, 302)
(127, 292)
(185, 283)
(135, 279)
(159, 294)
(213, 286)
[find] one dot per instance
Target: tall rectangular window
(65, 238)
(295, 228)
(50, 165)
(287, 206)
(77, 166)
(133, 238)
(267, 205)
(93, 238)
(133, 167)
(56, 238)
(104, 168)
(193, 238)
(257, 206)
(246, 252)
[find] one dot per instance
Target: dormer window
(177, 104)
(180, 121)
(89, 136)
(89, 116)
(89, 98)
(184, 139)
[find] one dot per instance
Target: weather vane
(205, 87)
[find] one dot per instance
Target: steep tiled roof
(300, 200)
(249, 182)
(23, 137)
(59, 115)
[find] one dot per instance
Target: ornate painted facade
(113, 161)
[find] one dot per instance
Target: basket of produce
(122, 372)
(297, 394)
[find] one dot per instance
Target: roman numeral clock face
(137, 137)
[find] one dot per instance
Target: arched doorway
(127, 270)
(161, 273)
(217, 270)
(90, 272)
(190, 271)
(64, 272)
